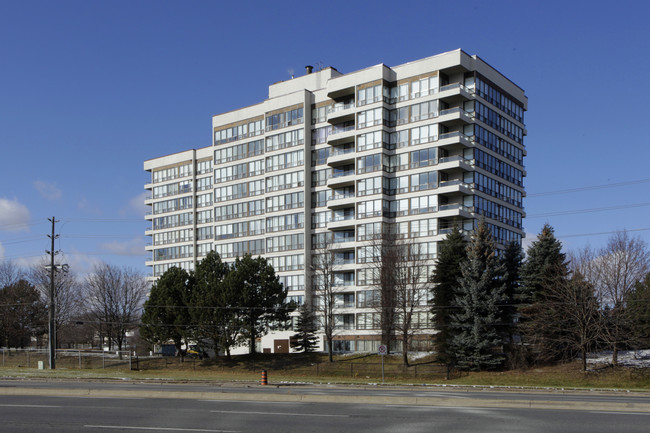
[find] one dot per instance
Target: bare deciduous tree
(382, 255)
(115, 296)
(402, 281)
(68, 295)
(322, 288)
(9, 273)
(621, 264)
(411, 291)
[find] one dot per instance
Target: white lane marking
(255, 402)
(441, 407)
(277, 413)
(620, 413)
(27, 405)
(94, 397)
(441, 394)
(127, 427)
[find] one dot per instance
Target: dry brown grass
(357, 369)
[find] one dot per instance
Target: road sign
(383, 350)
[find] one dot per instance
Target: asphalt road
(86, 414)
(293, 389)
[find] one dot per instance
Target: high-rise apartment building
(337, 159)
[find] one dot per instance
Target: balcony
(455, 118)
(455, 162)
(454, 187)
(340, 112)
(345, 178)
(455, 137)
(341, 134)
(339, 201)
(454, 93)
(454, 209)
(340, 156)
(346, 222)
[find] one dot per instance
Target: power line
(589, 188)
(592, 210)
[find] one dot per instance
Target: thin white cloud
(81, 264)
(87, 207)
(48, 191)
(14, 216)
(133, 247)
(136, 205)
(28, 262)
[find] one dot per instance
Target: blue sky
(89, 90)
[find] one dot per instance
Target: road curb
(293, 396)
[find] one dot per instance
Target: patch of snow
(626, 358)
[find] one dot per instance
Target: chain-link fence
(66, 358)
(97, 359)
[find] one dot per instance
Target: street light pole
(51, 328)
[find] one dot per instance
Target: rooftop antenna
(319, 66)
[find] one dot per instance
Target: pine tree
(638, 303)
(212, 310)
(305, 338)
(545, 269)
(545, 265)
(166, 316)
(262, 298)
(451, 252)
(511, 260)
(476, 340)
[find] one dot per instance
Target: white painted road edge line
(278, 413)
(127, 427)
(620, 413)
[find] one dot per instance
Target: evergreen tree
(481, 290)
(305, 338)
(213, 310)
(451, 252)
(545, 269)
(638, 304)
(511, 260)
(165, 315)
(545, 265)
(22, 314)
(262, 298)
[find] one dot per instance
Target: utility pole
(52, 310)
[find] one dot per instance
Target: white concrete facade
(419, 147)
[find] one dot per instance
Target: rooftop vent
(308, 69)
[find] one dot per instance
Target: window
(319, 177)
(372, 208)
(204, 200)
(368, 320)
(368, 298)
(370, 95)
(373, 140)
(288, 263)
(238, 132)
(286, 118)
(344, 279)
(293, 282)
(238, 152)
(370, 186)
(285, 222)
(284, 140)
(286, 201)
(285, 243)
(424, 181)
(344, 321)
(373, 117)
(284, 160)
